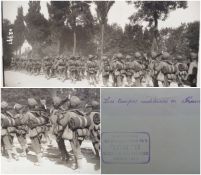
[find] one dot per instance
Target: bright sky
(118, 13)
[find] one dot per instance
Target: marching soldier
(33, 134)
(192, 71)
(92, 69)
(72, 68)
(80, 68)
(118, 69)
(22, 130)
(61, 66)
(7, 134)
(92, 110)
(47, 67)
(106, 69)
(129, 69)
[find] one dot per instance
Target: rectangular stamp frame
(149, 148)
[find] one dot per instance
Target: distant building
(26, 48)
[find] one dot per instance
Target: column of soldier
(154, 69)
(65, 120)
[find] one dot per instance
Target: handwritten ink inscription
(126, 147)
(150, 100)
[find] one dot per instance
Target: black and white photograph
(100, 43)
(50, 131)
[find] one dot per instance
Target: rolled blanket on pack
(23, 127)
(7, 121)
(37, 121)
(83, 132)
(79, 122)
(169, 69)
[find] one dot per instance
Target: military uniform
(92, 69)
(7, 133)
(118, 69)
(61, 66)
(106, 70)
(22, 130)
(92, 110)
(192, 70)
(128, 69)
(73, 68)
(47, 66)
(35, 128)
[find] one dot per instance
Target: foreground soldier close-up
(66, 120)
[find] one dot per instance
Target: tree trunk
(74, 43)
(155, 45)
(20, 50)
(60, 49)
(102, 39)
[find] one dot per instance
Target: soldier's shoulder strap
(77, 112)
(9, 114)
(35, 113)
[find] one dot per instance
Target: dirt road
(51, 163)
(23, 79)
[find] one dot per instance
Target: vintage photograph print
(50, 131)
(101, 43)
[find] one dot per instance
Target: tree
(19, 30)
(57, 16)
(37, 27)
(78, 14)
(152, 11)
(132, 39)
(102, 9)
(192, 35)
(7, 45)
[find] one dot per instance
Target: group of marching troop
(140, 69)
(67, 119)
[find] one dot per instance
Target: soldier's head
(179, 58)
(137, 55)
(78, 57)
(75, 102)
(4, 106)
(193, 56)
(119, 56)
(91, 57)
(32, 103)
(165, 56)
(94, 105)
(105, 58)
(153, 55)
(88, 108)
(128, 57)
(72, 57)
(56, 101)
(18, 107)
